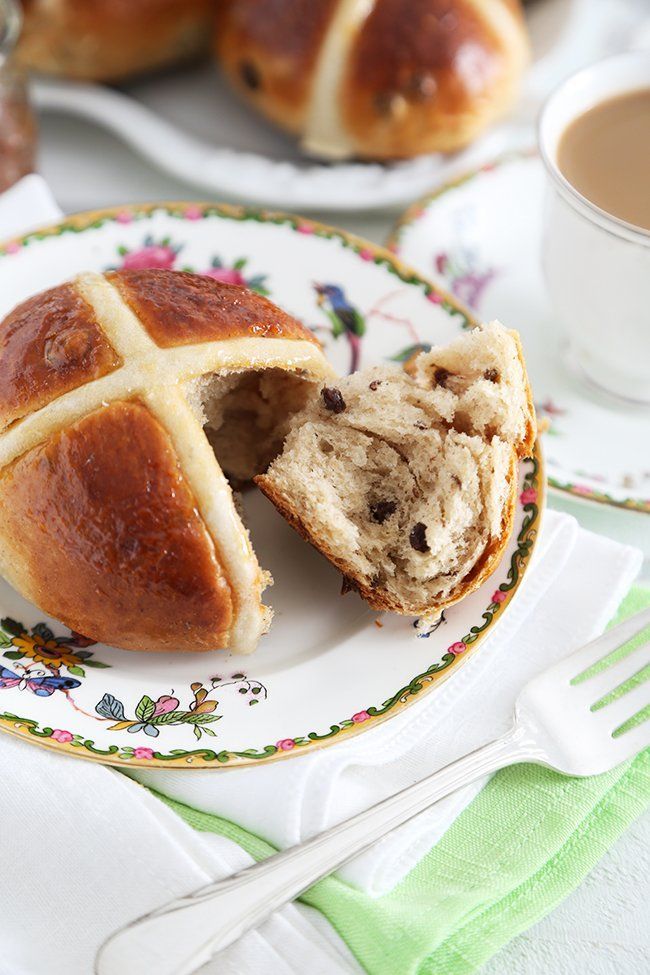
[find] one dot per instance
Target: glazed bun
(380, 79)
(110, 40)
(124, 403)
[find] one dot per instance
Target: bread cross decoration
(116, 516)
(129, 399)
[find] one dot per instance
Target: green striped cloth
(526, 841)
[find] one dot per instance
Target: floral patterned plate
(330, 667)
(480, 236)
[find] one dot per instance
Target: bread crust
(417, 76)
(179, 308)
(527, 446)
(380, 599)
(268, 49)
(109, 40)
(116, 517)
(99, 528)
(49, 344)
(428, 76)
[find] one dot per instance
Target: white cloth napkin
(27, 205)
(99, 851)
(86, 850)
(292, 801)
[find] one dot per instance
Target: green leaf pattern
(145, 708)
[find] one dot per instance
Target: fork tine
(626, 706)
(609, 679)
(592, 652)
(632, 742)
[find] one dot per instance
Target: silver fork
(556, 725)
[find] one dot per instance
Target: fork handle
(184, 934)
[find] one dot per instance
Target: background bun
(115, 514)
(386, 79)
(108, 40)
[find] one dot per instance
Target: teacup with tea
(595, 142)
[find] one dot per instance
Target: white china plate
(480, 237)
(330, 667)
(189, 124)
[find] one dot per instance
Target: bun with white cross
(131, 404)
(375, 79)
(116, 516)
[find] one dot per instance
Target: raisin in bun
(380, 79)
(110, 40)
(407, 482)
(125, 400)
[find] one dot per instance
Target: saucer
(480, 237)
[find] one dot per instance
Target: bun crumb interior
(406, 479)
(246, 416)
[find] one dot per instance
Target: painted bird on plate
(345, 318)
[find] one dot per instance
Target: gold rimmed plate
(480, 237)
(330, 667)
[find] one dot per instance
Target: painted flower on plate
(42, 647)
(229, 275)
(160, 254)
(360, 717)
(151, 716)
(233, 274)
(141, 752)
(528, 496)
(285, 744)
(456, 648)
(165, 704)
(59, 734)
(465, 279)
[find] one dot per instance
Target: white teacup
(597, 267)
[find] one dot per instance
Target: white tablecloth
(602, 928)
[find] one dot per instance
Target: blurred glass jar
(17, 122)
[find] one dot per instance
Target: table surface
(602, 928)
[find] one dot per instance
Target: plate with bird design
(330, 667)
